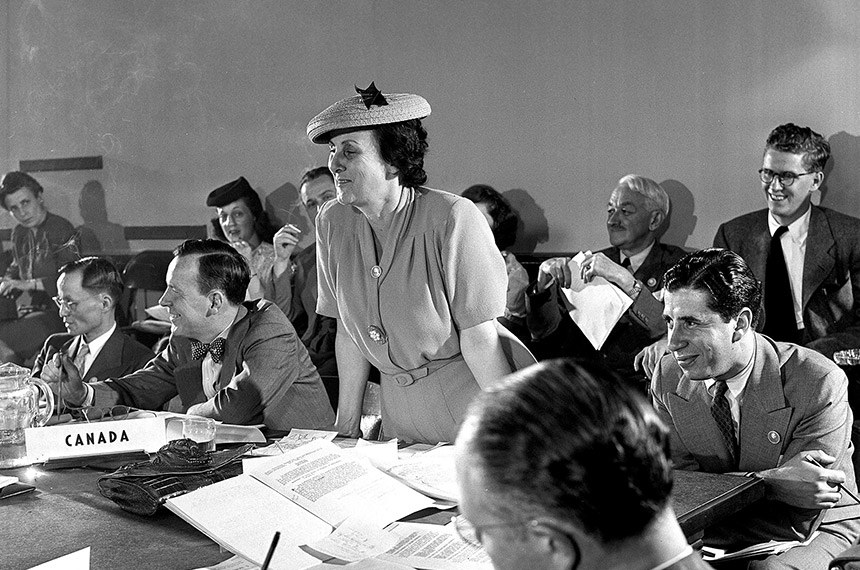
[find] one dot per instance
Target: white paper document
(296, 438)
(595, 307)
(78, 560)
(368, 564)
(356, 539)
(242, 514)
(321, 478)
(431, 473)
(435, 548)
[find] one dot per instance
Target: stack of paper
(765, 548)
(303, 494)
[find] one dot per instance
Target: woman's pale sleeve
(326, 277)
(475, 273)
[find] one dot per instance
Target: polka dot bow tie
(215, 348)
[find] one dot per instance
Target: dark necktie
(215, 348)
(779, 320)
(81, 358)
(626, 264)
(722, 412)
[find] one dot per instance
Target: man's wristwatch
(635, 290)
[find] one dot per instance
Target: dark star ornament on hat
(367, 109)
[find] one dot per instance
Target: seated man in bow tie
(234, 361)
(738, 402)
(87, 293)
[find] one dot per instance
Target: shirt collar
(736, 383)
(637, 259)
(98, 343)
(797, 230)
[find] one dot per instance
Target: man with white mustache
(821, 247)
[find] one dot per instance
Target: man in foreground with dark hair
(87, 293)
(237, 362)
(808, 257)
(564, 466)
(738, 402)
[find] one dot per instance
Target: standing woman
(411, 274)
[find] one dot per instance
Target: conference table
(66, 513)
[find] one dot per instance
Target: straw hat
(369, 108)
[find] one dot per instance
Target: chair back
(144, 277)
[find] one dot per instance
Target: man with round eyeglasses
(88, 291)
(812, 291)
(563, 466)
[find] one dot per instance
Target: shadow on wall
(842, 175)
(682, 218)
(97, 234)
(533, 227)
(285, 207)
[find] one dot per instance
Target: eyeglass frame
(781, 176)
(70, 306)
(463, 526)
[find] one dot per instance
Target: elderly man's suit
(831, 272)
(282, 389)
(795, 401)
(119, 356)
(555, 335)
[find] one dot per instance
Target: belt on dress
(408, 377)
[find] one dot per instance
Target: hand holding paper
(595, 306)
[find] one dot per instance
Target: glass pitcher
(21, 406)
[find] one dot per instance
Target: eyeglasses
(469, 533)
(786, 179)
(117, 412)
(61, 303)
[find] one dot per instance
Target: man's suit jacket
(283, 389)
(831, 272)
(796, 400)
(120, 355)
(555, 335)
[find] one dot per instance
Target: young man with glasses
(87, 293)
(563, 466)
(812, 290)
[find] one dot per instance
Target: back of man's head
(98, 276)
(801, 140)
(723, 274)
(219, 266)
(569, 441)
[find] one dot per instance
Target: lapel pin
(773, 437)
(652, 282)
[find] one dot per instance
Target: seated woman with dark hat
(245, 225)
(411, 274)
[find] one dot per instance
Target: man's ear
(818, 179)
(657, 218)
(217, 300)
(743, 324)
(558, 542)
(106, 302)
